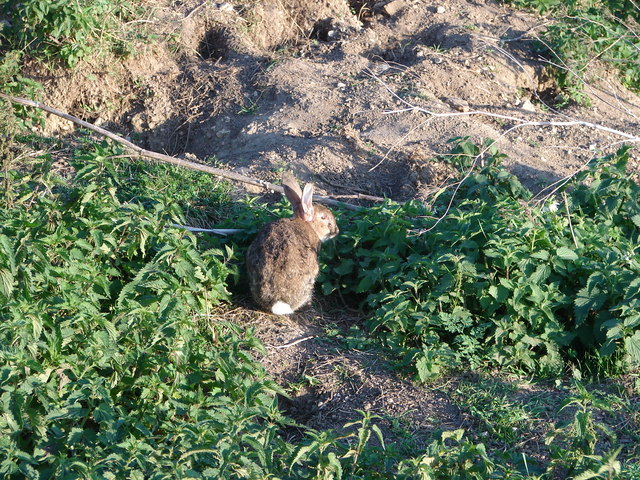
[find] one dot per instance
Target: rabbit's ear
(301, 201)
(291, 187)
(307, 202)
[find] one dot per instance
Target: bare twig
(218, 231)
(522, 122)
(566, 204)
(518, 123)
(362, 196)
(292, 343)
(141, 152)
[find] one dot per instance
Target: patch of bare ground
(263, 86)
(329, 380)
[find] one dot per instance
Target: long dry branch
(143, 153)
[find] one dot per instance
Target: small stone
(251, 129)
(225, 7)
(458, 104)
(437, 60)
(223, 132)
(528, 106)
(441, 9)
(393, 7)
(341, 85)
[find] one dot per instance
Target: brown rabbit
(282, 261)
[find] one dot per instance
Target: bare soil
(326, 90)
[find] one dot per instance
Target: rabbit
(282, 261)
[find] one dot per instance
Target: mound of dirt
(357, 96)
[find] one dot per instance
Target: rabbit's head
(318, 217)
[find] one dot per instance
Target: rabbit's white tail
(281, 308)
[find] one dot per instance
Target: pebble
(441, 9)
(393, 7)
(528, 106)
(223, 132)
(225, 7)
(458, 104)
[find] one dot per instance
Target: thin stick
(566, 204)
(268, 186)
(520, 122)
(291, 344)
(218, 231)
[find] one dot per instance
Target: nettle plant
(110, 364)
(583, 31)
(62, 30)
(498, 281)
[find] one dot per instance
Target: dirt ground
(359, 97)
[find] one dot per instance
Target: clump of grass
(491, 402)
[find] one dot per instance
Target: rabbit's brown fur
(282, 262)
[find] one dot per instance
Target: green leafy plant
(203, 198)
(111, 363)
(573, 443)
(491, 404)
(14, 84)
(582, 32)
(498, 282)
(62, 30)
(116, 363)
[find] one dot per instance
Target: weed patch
(498, 282)
(113, 363)
(584, 32)
(64, 31)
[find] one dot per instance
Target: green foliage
(573, 443)
(203, 198)
(498, 282)
(584, 31)
(490, 402)
(62, 30)
(112, 364)
(453, 457)
(12, 83)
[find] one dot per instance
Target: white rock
(528, 106)
(225, 7)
